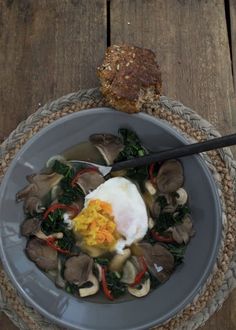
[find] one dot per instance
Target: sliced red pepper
(151, 173)
(79, 173)
(50, 242)
(104, 285)
(160, 238)
(140, 275)
(57, 206)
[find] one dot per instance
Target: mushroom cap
(30, 226)
(182, 232)
(40, 253)
(108, 144)
(40, 185)
(90, 181)
(159, 260)
(170, 176)
(78, 268)
(33, 204)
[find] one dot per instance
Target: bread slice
(129, 77)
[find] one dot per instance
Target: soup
(121, 234)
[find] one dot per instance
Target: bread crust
(129, 76)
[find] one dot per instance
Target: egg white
(128, 207)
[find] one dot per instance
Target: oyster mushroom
(160, 261)
(40, 185)
(90, 181)
(40, 253)
(129, 272)
(181, 233)
(33, 204)
(30, 226)
(77, 269)
(170, 176)
(142, 291)
(117, 262)
(109, 146)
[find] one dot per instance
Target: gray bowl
(166, 300)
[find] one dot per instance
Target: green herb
(68, 240)
(166, 219)
(70, 194)
(133, 147)
(177, 251)
(114, 284)
(162, 201)
(71, 288)
(63, 169)
(154, 281)
(102, 261)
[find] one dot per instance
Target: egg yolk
(96, 225)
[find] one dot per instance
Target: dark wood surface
(50, 48)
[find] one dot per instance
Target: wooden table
(49, 48)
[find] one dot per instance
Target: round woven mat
(223, 277)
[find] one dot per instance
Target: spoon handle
(186, 150)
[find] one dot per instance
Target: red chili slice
(151, 173)
(57, 206)
(50, 242)
(139, 276)
(160, 238)
(78, 174)
(104, 285)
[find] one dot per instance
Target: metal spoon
(186, 150)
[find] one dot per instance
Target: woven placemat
(223, 277)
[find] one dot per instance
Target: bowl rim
(173, 131)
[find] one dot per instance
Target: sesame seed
(126, 77)
(118, 67)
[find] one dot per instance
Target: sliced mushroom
(108, 144)
(151, 223)
(150, 187)
(90, 181)
(142, 291)
(170, 176)
(40, 253)
(77, 269)
(40, 185)
(129, 273)
(30, 226)
(99, 269)
(84, 292)
(59, 281)
(117, 262)
(182, 197)
(160, 261)
(42, 236)
(181, 233)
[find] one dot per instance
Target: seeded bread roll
(129, 76)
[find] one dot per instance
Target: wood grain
(191, 43)
(232, 18)
(48, 48)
